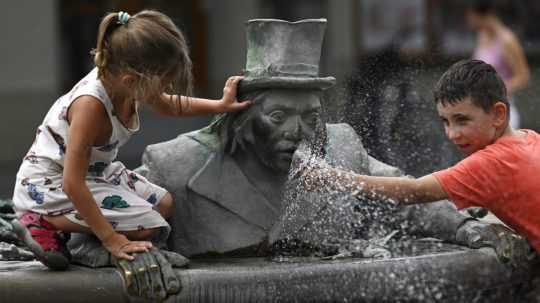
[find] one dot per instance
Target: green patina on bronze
(282, 54)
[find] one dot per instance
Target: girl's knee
(64, 224)
(165, 206)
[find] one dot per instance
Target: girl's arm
(515, 58)
(175, 105)
(88, 120)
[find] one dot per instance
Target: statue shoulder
(185, 145)
(182, 156)
(345, 148)
(343, 132)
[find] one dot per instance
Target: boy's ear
(500, 114)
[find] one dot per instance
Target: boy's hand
(228, 102)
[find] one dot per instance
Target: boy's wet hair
(149, 46)
(471, 78)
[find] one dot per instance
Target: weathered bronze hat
(282, 54)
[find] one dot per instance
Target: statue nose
(294, 132)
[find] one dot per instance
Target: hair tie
(123, 17)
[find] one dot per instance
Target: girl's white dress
(125, 198)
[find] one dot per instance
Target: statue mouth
(287, 153)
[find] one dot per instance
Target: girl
(498, 45)
(68, 181)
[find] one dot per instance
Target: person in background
(498, 45)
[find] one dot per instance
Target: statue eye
(277, 116)
(312, 118)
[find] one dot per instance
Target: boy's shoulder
(515, 143)
(506, 153)
(533, 134)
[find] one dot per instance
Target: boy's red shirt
(504, 177)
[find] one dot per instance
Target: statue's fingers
(502, 248)
(176, 259)
(139, 272)
(475, 241)
(128, 274)
(156, 287)
(145, 282)
(171, 281)
(505, 253)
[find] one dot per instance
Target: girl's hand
(119, 246)
(228, 102)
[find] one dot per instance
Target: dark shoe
(46, 242)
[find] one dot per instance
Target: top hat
(282, 54)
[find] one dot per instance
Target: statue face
(283, 119)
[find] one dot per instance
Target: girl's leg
(164, 207)
(140, 235)
(64, 224)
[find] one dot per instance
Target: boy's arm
(176, 105)
(379, 168)
(402, 189)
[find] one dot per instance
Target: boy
(501, 171)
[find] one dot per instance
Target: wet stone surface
(452, 274)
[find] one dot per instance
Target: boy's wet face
(467, 125)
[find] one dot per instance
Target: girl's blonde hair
(148, 45)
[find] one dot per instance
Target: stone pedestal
(451, 275)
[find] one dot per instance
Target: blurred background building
(46, 45)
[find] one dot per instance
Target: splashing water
(328, 214)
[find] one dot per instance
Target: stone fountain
(254, 236)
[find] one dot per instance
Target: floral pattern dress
(126, 199)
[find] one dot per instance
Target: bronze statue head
(273, 127)
(282, 79)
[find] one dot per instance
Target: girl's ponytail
(101, 53)
(149, 46)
